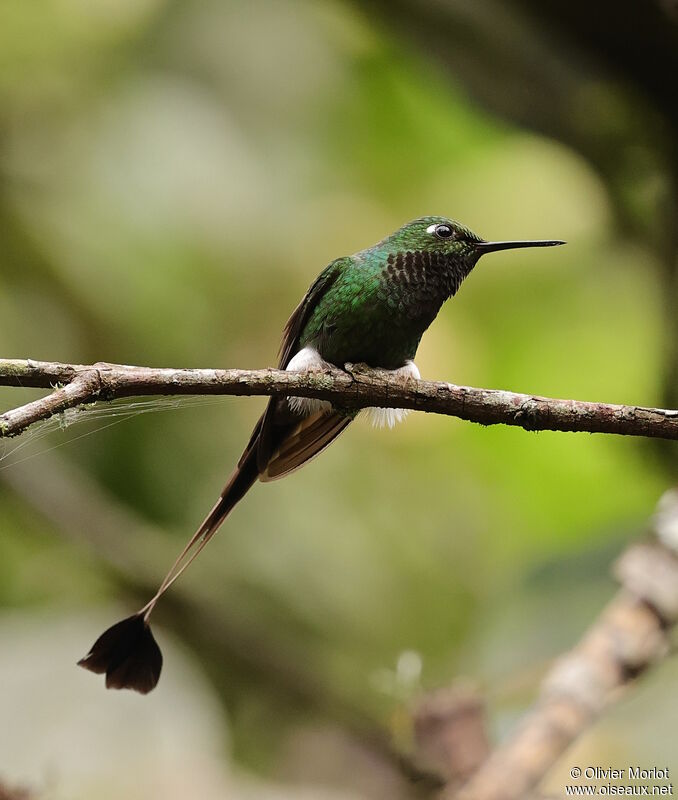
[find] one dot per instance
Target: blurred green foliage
(172, 177)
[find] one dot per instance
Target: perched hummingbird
(373, 308)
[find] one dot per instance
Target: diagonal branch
(631, 635)
(356, 388)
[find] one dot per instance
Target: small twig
(630, 635)
(83, 388)
(357, 389)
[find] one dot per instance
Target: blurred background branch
(632, 634)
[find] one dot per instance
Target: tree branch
(631, 635)
(357, 387)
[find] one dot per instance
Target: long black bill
(492, 247)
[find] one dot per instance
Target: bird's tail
(127, 652)
(281, 442)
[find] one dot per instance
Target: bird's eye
(443, 231)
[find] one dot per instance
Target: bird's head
(452, 239)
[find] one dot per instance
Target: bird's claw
(407, 372)
(358, 369)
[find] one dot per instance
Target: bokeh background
(173, 174)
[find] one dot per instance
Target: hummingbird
(372, 307)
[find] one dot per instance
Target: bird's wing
(301, 314)
(285, 441)
(269, 439)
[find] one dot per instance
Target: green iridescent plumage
(374, 306)
(371, 307)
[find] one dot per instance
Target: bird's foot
(383, 417)
(359, 369)
(409, 370)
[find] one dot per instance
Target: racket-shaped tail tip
(128, 655)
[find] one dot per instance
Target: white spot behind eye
(432, 228)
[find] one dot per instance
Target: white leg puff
(307, 360)
(383, 417)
